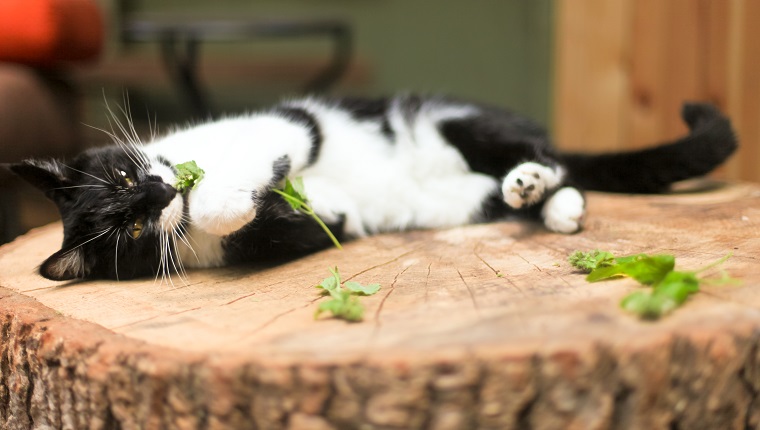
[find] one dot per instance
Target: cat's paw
(526, 184)
(222, 212)
(563, 212)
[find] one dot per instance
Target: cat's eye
(127, 179)
(137, 228)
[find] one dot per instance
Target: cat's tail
(711, 140)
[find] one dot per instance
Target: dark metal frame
(180, 45)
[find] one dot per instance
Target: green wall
(498, 51)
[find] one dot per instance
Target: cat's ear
(47, 175)
(65, 265)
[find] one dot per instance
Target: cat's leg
(564, 210)
(519, 153)
(532, 183)
(228, 197)
(529, 182)
(221, 208)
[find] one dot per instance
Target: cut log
(483, 326)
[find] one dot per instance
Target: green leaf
(344, 302)
(297, 188)
(188, 176)
(646, 269)
(588, 261)
(295, 195)
(364, 290)
(345, 306)
(646, 305)
(670, 288)
(677, 286)
(329, 286)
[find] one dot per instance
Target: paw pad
(526, 184)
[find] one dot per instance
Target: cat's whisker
(164, 266)
(120, 143)
(130, 147)
(100, 187)
(99, 234)
(85, 173)
(116, 256)
(130, 134)
(108, 172)
(153, 127)
(127, 111)
(184, 238)
(177, 261)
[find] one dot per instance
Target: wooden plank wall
(623, 68)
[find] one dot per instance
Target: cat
(368, 166)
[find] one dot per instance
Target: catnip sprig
(188, 176)
(295, 195)
(344, 302)
(670, 288)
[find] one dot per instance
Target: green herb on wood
(295, 195)
(670, 288)
(344, 300)
(188, 176)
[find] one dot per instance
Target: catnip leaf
(295, 199)
(295, 195)
(344, 302)
(670, 288)
(188, 176)
(364, 290)
(588, 261)
(646, 269)
(677, 286)
(345, 306)
(297, 188)
(328, 285)
(647, 305)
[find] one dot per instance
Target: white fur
(563, 212)
(416, 181)
(527, 183)
(237, 155)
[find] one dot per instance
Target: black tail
(711, 140)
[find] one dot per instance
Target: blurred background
(601, 74)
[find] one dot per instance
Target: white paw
(221, 212)
(563, 212)
(527, 183)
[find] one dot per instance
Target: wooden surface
(623, 69)
(447, 343)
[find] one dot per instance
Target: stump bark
(482, 326)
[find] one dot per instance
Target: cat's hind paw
(526, 184)
(563, 212)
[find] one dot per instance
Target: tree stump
(483, 326)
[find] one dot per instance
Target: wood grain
(666, 53)
(482, 326)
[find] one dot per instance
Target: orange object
(47, 32)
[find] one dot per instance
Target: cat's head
(111, 206)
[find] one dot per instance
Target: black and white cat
(368, 166)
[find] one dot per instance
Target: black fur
(364, 109)
(96, 202)
(303, 117)
(278, 234)
(711, 140)
(100, 207)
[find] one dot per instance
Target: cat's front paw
(563, 212)
(222, 212)
(526, 184)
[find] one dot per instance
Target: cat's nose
(161, 194)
